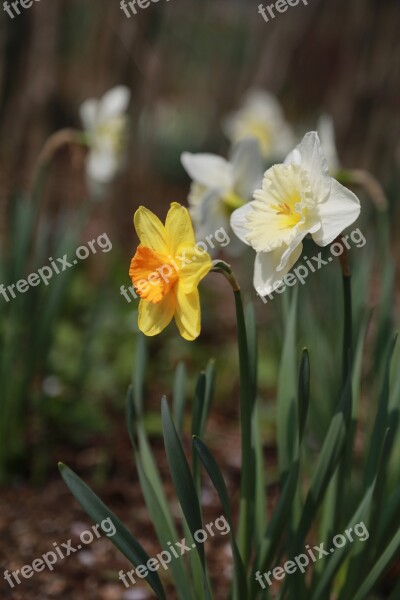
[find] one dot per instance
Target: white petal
(248, 168)
(114, 103)
(102, 165)
(88, 112)
(263, 104)
(290, 249)
(266, 275)
(314, 161)
(213, 219)
(238, 221)
(212, 214)
(326, 130)
(261, 117)
(293, 158)
(209, 170)
(339, 211)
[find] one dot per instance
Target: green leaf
(276, 526)
(165, 530)
(209, 395)
(384, 528)
(380, 566)
(183, 481)
(139, 372)
(327, 462)
(260, 501)
(360, 558)
(333, 563)
(381, 423)
(179, 396)
(199, 399)
(211, 466)
(286, 401)
(260, 477)
(252, 343)
(181, 474)
(122, 539)
(197, 416)
(304, 392)
(247, 401)
(154, 495)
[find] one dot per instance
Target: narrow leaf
(122, 539)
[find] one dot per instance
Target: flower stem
(219, 266)
(348, 320)
(247, 484)
(57, 140)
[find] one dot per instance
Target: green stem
(246, 410)
(247, 484)
(343, 474)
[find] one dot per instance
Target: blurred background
(67, 350)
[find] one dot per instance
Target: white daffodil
(105, 122)
(326, 131)
(261, 117)
(220, 186)
(297, 198)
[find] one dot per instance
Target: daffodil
(220, 186)
(166, 271)
(261, 117)
(105, 123)
(297, 198)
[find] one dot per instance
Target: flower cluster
(270, 208)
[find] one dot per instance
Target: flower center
(112, 133)
(258, 129)
(153, 274)
(288, 211)
(280, 208)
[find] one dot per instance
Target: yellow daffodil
(166, 271)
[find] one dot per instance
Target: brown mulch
(34, 518)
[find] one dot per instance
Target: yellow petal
(187, 313)
(191, 274)
(154, 318)
(179, 228)
(151, 231)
